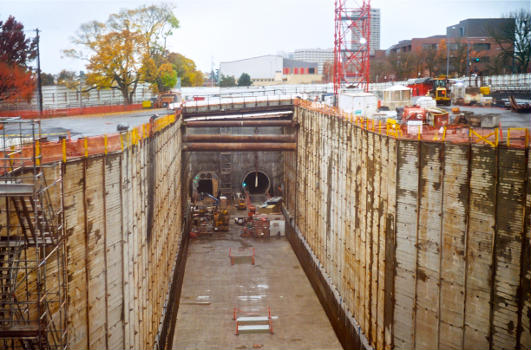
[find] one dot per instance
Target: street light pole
(39, 81)
(447, 55)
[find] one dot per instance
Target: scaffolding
(33, 288)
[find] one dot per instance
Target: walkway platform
(212, 288)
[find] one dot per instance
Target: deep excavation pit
(406, 243)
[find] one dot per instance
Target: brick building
(472, 36)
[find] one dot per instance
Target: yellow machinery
(240, 202)
(440, 91)
(221, 220)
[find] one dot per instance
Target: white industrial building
(319, 56)
(272, 69)
(374, 43)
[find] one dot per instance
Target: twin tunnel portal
(261, 132)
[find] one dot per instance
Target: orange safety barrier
(64, 149)
(65, 112)
(517, 137)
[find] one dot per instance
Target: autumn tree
(16, 51)
(402, 65)
(121, 50)
(186, 70)
(328, 72)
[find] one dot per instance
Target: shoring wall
(124, 221)
(426, 243)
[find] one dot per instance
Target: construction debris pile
(210, 214)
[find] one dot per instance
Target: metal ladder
(225, 167)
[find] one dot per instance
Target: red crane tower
(352, 44)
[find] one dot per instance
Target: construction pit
(229, 278)
(407, 240)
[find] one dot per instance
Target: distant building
(374, 43)
(272, 69)
(417, 44)
(319, 56)
(479, 27)
(474, 33)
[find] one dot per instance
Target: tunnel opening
(205, 186)
(256, 182)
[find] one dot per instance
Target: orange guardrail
(66, 148)
(65, 112)
(516, 137)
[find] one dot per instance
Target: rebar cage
(33, 286)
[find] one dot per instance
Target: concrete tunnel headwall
(232, 167)
(412, 244)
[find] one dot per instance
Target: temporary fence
(66, 148)
(454, 133)
(64, 112)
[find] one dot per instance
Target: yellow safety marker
(105, 150)
(509, 135)
(85, 144)
(11, 156)
(37, 152)
(64, 150)
(485, 139)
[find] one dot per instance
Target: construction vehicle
(437, 88)
(170, 100)
(440, 91)
(240, 201)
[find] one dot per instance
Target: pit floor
(212, 288)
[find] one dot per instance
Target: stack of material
(271, 206)
(261, 226)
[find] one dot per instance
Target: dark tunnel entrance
(256, 182)
(205, 186)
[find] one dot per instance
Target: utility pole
(39, 82)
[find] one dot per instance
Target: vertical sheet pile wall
(427, 243)
(123, 217)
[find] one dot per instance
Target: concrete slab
(91, 125)
(212, 288)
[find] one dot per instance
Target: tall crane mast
(352, 44)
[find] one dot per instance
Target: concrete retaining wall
(123, 219)
(426, 244)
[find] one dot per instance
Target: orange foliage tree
(15, 83)
(121, 49)
(16, 79)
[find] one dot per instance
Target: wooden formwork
(426, 243)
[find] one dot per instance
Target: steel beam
(237, 123)
(239, 147)
(238, 138)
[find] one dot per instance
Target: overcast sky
(222, 30)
